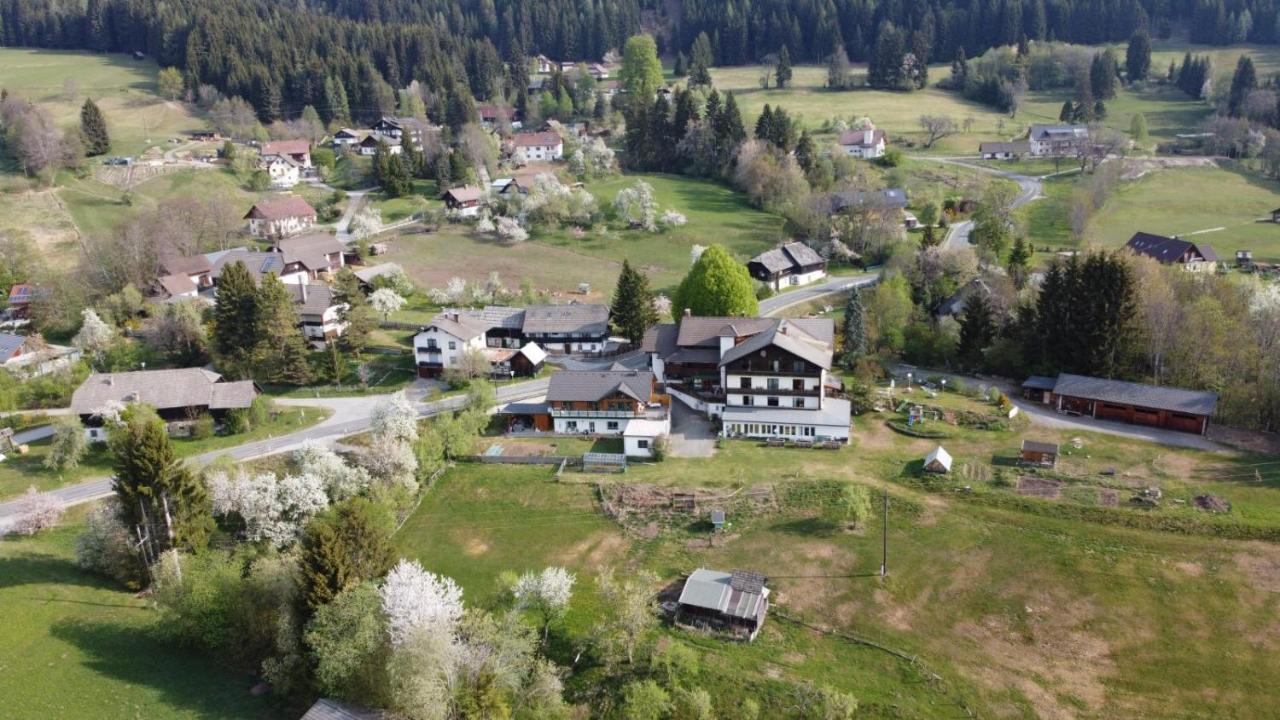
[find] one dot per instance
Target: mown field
(72, 645)
(124, 88)
(1021, 614)
(559, 261)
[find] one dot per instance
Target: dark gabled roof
(1021, 146)
(279, 208)
(190, 265)
(10, 344)
(858, 138)
(562, 319)
(786, 336)
(1039, 382)
(315, 301)
(1119, 392)
(326, 709)
(589, 386)
(891, 199)
(696, 330)
(1070, 132)
(1164, 249)
(790, 256)
(312, 250)
(660, 339)
(163, 390)
(466, 193)
(463, 327)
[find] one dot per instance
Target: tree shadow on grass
(183, 677)
(810, 527)
(38, 569)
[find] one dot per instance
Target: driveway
(808, 293)
(691, 433)
(350, 416)
(1029, 188)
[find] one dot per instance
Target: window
(797, 384)
(773, 383)
(747, 400)
(431, 344)
(611, 425)
(808, 432)
(773, 402)
(453, 345)
(571, 425)
(642, 444)
(797, 402)
(744, 383)
(798, 366)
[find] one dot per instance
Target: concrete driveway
(691, 433)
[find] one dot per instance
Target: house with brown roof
(620, 402)
(534, 146)
(465, 201)
(284, 171)
(765, 378)
(319, 312)
(313, 254)
(1193, 257)
(368, 146)
(279, 217)
(572, 328)
(789, 264)
(492, 116)
(443, 344)
(865, 142)
(176, 395)
(298, 150)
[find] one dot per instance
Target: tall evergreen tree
(342, 547)
(700, 61)
(681, 67)
(853, 333)
(806, 152)
(1068, 112)
(764, 124)
(632, 312)
(1019, 261)
(977, 329)
(1102, 75)
(1243, 82)
(163, 503)
(782, 73)
(93, 128)
(358, 315)
(1137, 57)
(281, 350)
(235, 320)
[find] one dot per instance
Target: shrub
(104, 547)
(892, 157)
(202, 427)
(37, 511)
(764, 291)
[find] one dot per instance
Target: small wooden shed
(1039, 453)
(938, 461)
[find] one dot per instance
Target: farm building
(736, 602)
(793, 263)
(1038, 388)
(938, 461)
(1004, 150)
(464, 200)
(177, 395)
(1136, 403)
(523, 362)
(1035, 452)
(1194, 257)
(867, 142)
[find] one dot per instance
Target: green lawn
(74, 646)
(124, 88)
(557, 262)
(1048, 219)
(1231, 204)
(98, 208)
(19, 472)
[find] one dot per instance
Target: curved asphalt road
(1030, 188)
(350, 417)
(807, 293)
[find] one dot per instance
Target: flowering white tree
(414, 599)
(273, 508)
(510, 232)
(546, 593)
(95, 336)
(110, 412)
(637, 206)
(395, 418)
(394, 430)
(37, 511)
(392, 461)
(339, 479)
(598, 158)
(366, 223)
(386, 301)
(485, 223)
(671, 218)
(395, 278)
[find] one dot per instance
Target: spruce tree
(281, 350)
(853, 331)
(342, 547)
(1243, 82)
(977, 328)
(1068, 112)
(358, 314)
(783, 70)
(1137, 57)
(764, 124)
(731, 131)
(1102, 75)
(235, 320)
(806, 152)
(162, 503)
(1019, 260)
(681, 68)
(700, 61)
(632, 311)
(93, 128)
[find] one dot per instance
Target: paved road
(350, 417)
(832, 286)
(1030, 188)
(691, 433)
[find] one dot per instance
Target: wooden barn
(1136, 403)
(1035, 452)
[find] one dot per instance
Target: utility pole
(884, 538)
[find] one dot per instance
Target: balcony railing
(789, 392)
(648, 413)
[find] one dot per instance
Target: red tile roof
(286, 147)
(537, 139)
(279, 208)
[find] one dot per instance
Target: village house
(21, 296)
(183, 277)
(29, 356)
(280, 217)
(735, 602)
(620, 402)
(765, 378)
(545, 64)
(493, 116)
(1129, 402)
(346, 137)
(369, 145)
(298, 150)
(791, 264)
(1193, 257)
(533, 146)
(526, 361)
(313, 254)
(178, 396)
(319, 312)
(1051, 140)
(284, 171)
(572, 328)
(444, 343)
(1004, 150)
(398, 127)
(465, 201)
(866, 142)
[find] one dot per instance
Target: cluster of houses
(28, 356)
(1042, 141)
(573, 328)
(286, 162)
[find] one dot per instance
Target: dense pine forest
(340, 55)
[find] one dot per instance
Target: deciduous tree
(716, 285)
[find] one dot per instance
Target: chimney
(868, 135)
(302, 286)
(688, 312)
